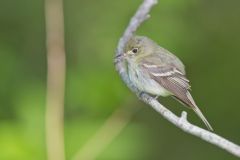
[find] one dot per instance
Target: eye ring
(135, 50)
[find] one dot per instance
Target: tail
(198, 111)
(188, 101)
(201, 116)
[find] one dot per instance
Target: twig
(105, 135)
(180, 122)
(55, 79)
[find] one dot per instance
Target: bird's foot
(156, 97)
(140, 94)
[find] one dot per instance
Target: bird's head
(139, 46)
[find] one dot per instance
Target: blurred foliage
(203, 33)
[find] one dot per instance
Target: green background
(205, 34)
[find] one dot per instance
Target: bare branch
(55, 80)
(180, 122)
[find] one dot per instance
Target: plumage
(156, 71)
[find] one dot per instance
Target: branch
(55, 79)
(181, 122)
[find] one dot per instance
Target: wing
(173, 80)
(163, 56)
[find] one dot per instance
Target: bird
(156, 71)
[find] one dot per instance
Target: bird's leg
(156, 97)
(140, 93)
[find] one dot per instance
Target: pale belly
(144, 83)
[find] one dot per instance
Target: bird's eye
(135, 50)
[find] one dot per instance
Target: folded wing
(173, 80)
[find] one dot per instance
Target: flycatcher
(154, 70)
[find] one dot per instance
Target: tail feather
(198, 111)
(189, 102)
(201, 116)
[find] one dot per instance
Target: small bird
(154, 70)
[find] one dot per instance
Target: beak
(120, 56)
